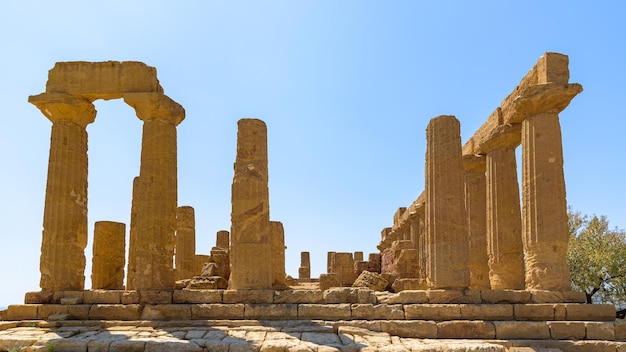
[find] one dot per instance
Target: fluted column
(474, 167)
(185, 243)
(109, 246)
(156, 205)
(278, 254)
(446, 226)
(64, 236)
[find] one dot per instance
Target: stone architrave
(156, 205)
(109, 246)
(64, 236)
(476, 208)
(304, 271)
(222, 239)
(185, 253)
(504, 237)
(250, 246)
(544, 227)
(446, 226)
(278, 254)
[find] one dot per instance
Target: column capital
(65, 107)
(501, 137)
(155, 106)
(541, 98)
(473, 163)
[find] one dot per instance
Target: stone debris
(373, 281)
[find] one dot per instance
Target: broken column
(504, 237)
(474, 167)
(250, 247)
(304, 271)
(278, 254)
(64, 236)
(109, 246)
(222, 239)
(155, 206)
(446, 229)
(185, 253)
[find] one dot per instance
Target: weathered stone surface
(109, 250)
(278, 254)
(115, 311)
(533, 311)
(329, 280)
(250, 249)
(409, 284)
(304, 271)
(566, 330)
(432, 311)
(466, 330)
(599, 312)
(155, 297)
(418, 329)
(197, 296)
(506, 330)
(343, 267)
(446, 225)
(270, 311)
(371, 280)
(298, 296)
(324, 311)
(378, 311)
(409, 296)
(599, 331)
(38, 297)
(207, 283)
(217, 311)
(248, 296)
(506, 296)
(349, 295)
(185, 243)
(487, 312)
(102, 297)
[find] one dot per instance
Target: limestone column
(476, 209)
(64, 236)
(304, 271)
(278, 254)
(504, 237)
(109, 250)
(185, 243)
(446, 228)
(156, 205)
(222, 239)
(132, 246)
(250, 249)
(330, 262)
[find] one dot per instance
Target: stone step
(325, 311)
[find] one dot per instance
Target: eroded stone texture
(278, 254)
(446, 228)
(476, 208)
(343, 267)
(109, 246)
(304, 271)
(185, 253)
(64, 236)
(156, 205)
(250, 250)
(544, 228)
(222, 239)
(132, 245)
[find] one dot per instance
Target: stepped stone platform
(349, 319)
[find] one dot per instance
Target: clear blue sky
(345, 87)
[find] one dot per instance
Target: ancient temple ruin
(468, 259)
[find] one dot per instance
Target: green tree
(597, 259)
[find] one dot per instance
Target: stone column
(250, 247)
(446, 227)
(304, 271)
(504, 237)
(109, 250)
(278, 255)
(185, 243)
(476, 209)
(222, 239)
(344, 268)
(330, 262)
(156, 205)
(358, 256)
(64, 236)
(132, 245)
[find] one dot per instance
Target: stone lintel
(540, 98)
(102, 80)
(402, 220)
(155, 106)
(473, 163)
(64, 107)
(500, 137)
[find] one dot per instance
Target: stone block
(567, 330)
(373, 281)
(574, 297)
(217, 311)
(404, 284)
(349, 295)
(38, 297)
(79, 312)
(166, 312)
(298, 296)
(462, 329)
(197, 296)
(432, 311)
(590, 312)
(506, 330)
(620, 330)
(445, 296)
(71, 300)
(248, 296)
(329, 280)
(422, 329)
(22, 311)
(270, 311)
(57, 296)
(533, 311)
(505, 296)
(155, 297)
(560, 313)
(102, 297)
(487, 311)
(408, 297)
(543, 296)
(46, 310)
(600, 330)
(324, 311)
(115, 312)
(378, 311)
(129, 297)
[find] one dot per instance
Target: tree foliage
(597, 259)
